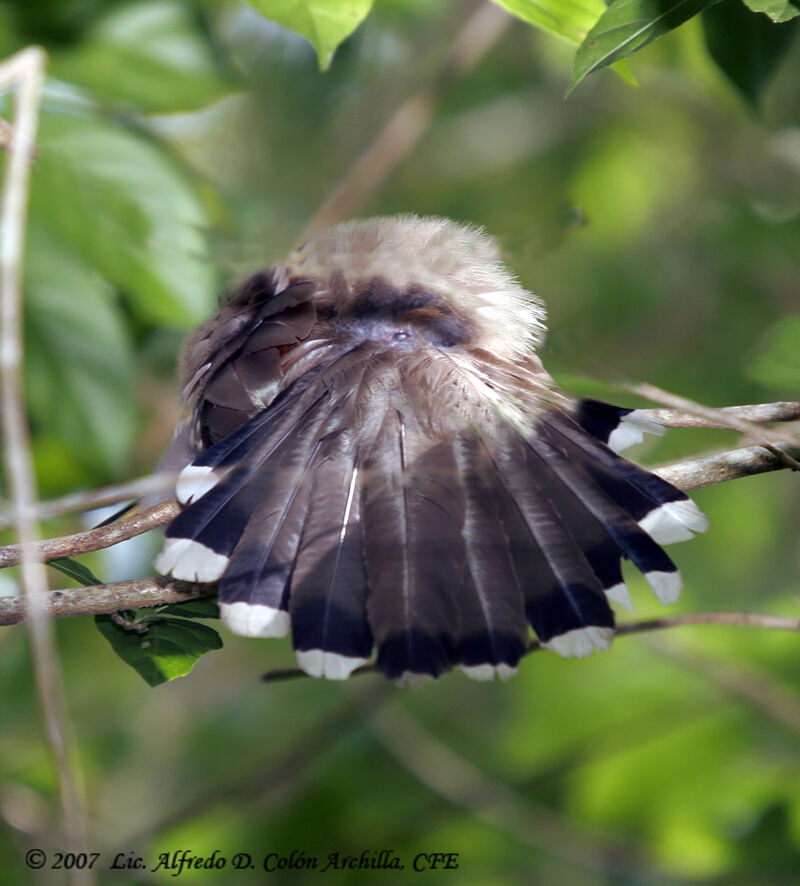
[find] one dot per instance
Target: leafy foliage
(628, 26)
(75, 569)
(660, 225)
(325, 23)
(746, 45)
(777, 10)
(158, 649)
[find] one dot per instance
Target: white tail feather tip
(188, 560)
(619, 594)
(581, 642)
(631, 430)
(254, 620)
(486, 672)
(319, 663)
(666, 585)
(195, 481)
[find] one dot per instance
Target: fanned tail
(335, 513)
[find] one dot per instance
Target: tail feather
(306, 397)
(201, 540)
(615, 426)
(329, 584)
(564, 598)
(493, 629)
(414, 553)
(670, 511)
(658, 569)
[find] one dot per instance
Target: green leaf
(747, 46)
(79, 366)
(778, 360)
(168, 647)
(82, 574)
(124, 206)
(151, 54)
(200, 607)
(572, 19)
(325, 23)
(627, 26)
(777, 10)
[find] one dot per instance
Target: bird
(374, 459)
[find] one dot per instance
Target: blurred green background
(183, 145)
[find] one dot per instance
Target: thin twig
(25, 70)
(409, 122)
(730, 465)
(737, 619)
(758, 413)
(766, 437)
(77, 502)
(107, 598)
(96, 539)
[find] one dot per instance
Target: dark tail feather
(663, 511)
(615, 426)
(493, 629)
(564, 599)
(241, 531)
(412, 513)
(658, 569)
(329, 584)
(308, 395)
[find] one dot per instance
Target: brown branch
(96, 539)
(99, 498)
(730, 465)
(770, 439)
(409, 122)
(685, 475)
(25, 72)
(106, 599)
(759, 413)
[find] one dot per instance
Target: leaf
(123, 206)
(151, 54)
(82, 574)
(777, 10)
(200, 607)
(79, 366)
(627, 26)
(325, 23)
(747, 46)
(572, 19)
(167, 649)
(778, 360)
